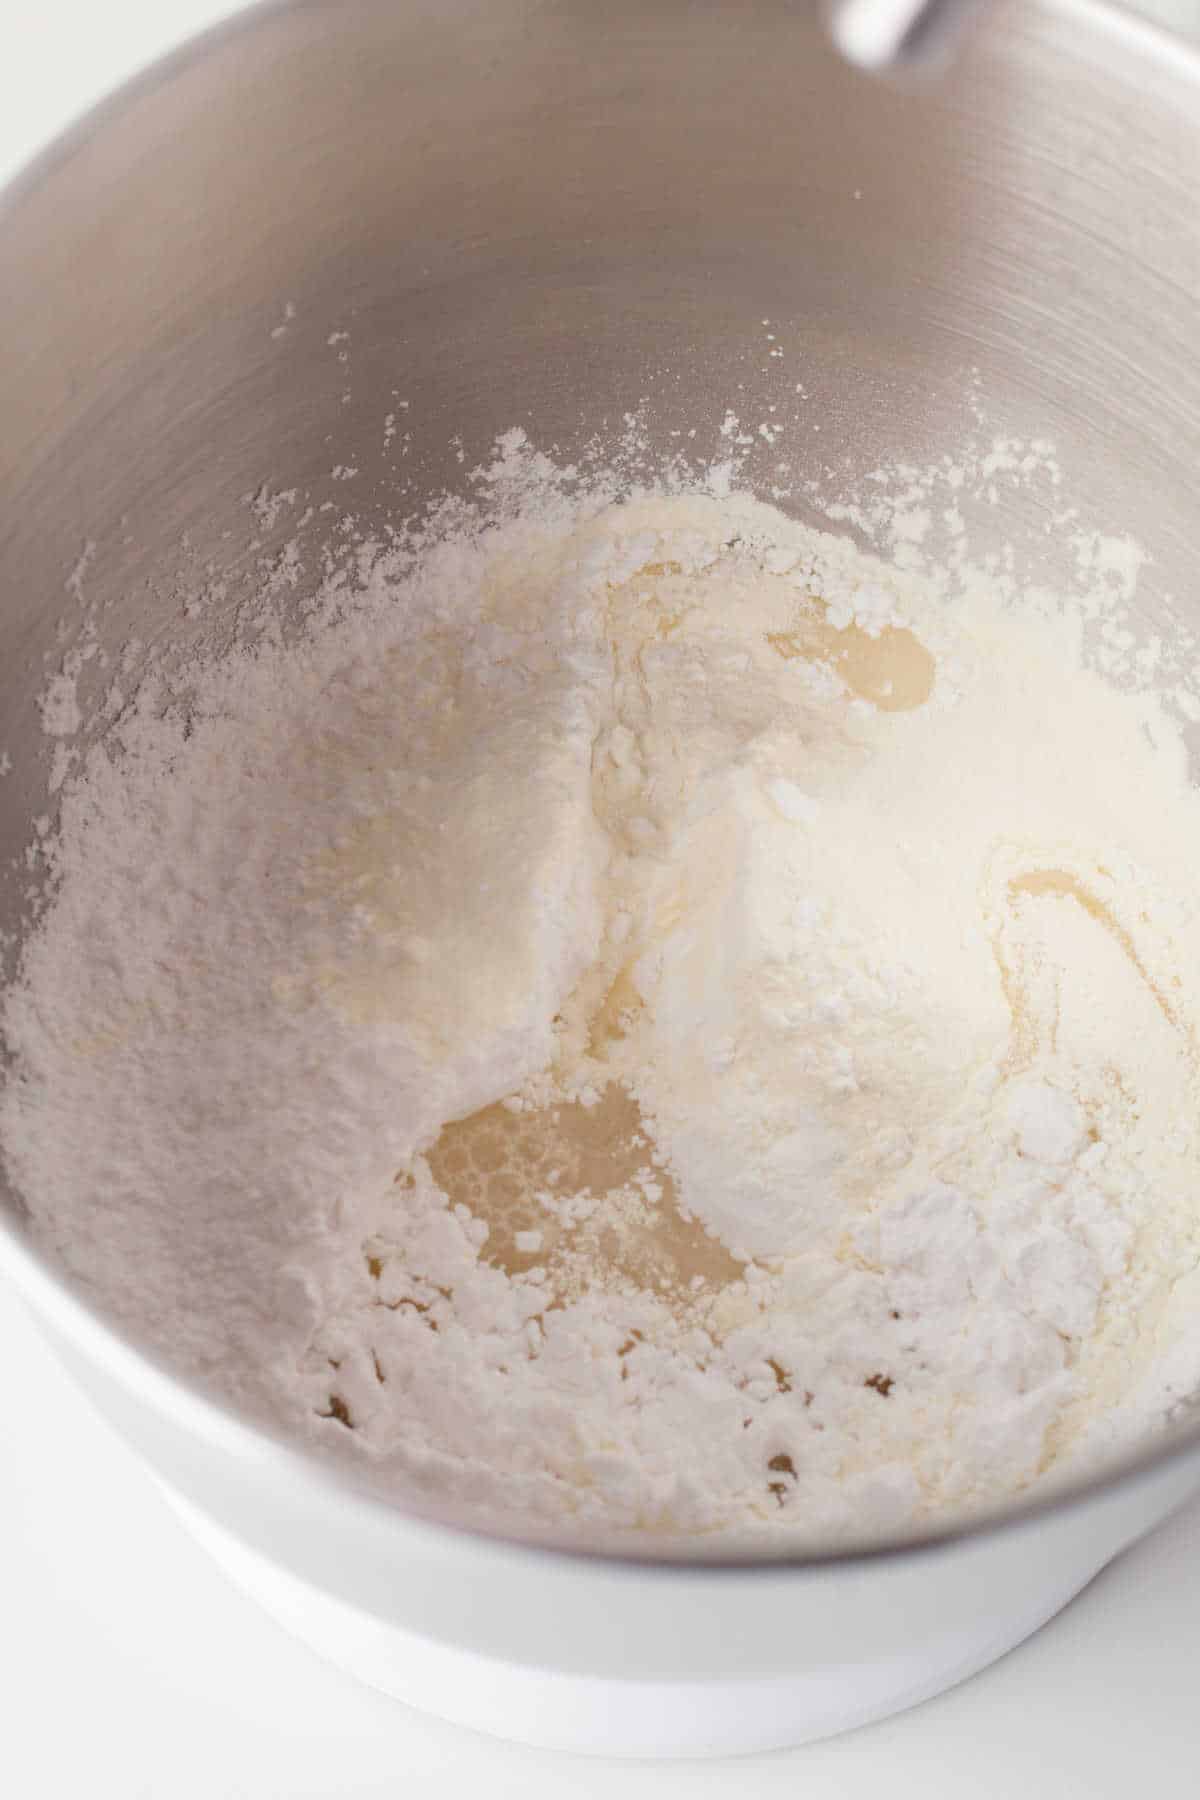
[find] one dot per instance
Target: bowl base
(553, 1710)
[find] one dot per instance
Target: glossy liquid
(499, 1162)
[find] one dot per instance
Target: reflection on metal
(899, 35)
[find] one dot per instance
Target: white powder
(646, 1017)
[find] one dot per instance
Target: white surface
(60, 56)
(130, 1669)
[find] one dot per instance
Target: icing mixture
(642, 1016)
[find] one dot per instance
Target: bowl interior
(465, 215)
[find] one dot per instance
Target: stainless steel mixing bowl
(545, 212)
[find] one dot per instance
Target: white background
(129, 1670)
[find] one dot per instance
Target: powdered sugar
(644, 1016)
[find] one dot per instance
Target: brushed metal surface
(545, 212)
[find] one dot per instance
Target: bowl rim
(142, 1370)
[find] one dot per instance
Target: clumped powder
(643, 1016)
